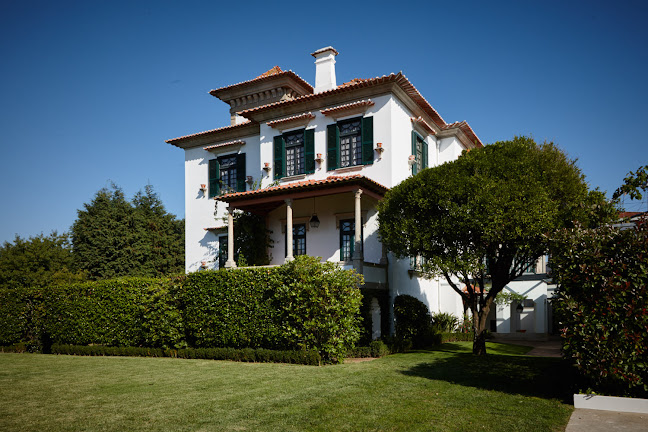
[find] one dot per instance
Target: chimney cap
(324, 50)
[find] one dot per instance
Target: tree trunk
(479, 343)
(479, 329)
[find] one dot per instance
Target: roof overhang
(262, 201)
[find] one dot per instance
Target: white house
(325, 154)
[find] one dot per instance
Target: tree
(483, 218)
(634, 185)
(251, 239)
(113, 237)
(37, 262)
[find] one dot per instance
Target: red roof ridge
(272, 71)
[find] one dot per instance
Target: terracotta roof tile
(350, 106)
(465, 127)
(398, 78)
(305, 117)
(270, 74)
(245, 123)
(330, 180)
(227, 144)
(274, 71)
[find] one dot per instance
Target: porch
(333, 218)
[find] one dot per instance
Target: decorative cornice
(226, 133)
(292, 122)
(227, 144)
(418, 121)
(348, 109)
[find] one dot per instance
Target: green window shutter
(332, 147)
(240, 172)
(279, 156)
(425, 155)
(214, 178)
(309, 151)
(414, 136)
(367, 141)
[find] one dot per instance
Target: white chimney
(325, 69)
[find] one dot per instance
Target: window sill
(291, 178)
(349, 169)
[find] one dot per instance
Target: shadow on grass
(544, 377)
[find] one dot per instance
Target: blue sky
(91, 89)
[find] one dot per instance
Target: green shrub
(601, 305)
(378, 349)
(413, 320)
(242, 355)
(301, 306)
(456, 337)
(317, 306)
(444, 322)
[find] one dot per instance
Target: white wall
(533, 320)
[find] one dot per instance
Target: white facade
(396, 110)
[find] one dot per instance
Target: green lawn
(426, 390)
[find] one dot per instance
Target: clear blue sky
(90, 90)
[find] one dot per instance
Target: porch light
(314, 221)
(519, 308)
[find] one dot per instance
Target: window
(294, 153)
(420, 152)
(417, 263)
(299, 240)
(350, 143)
(227, 174)
(347, 239)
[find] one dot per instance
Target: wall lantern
(314, 221)
(519, 308)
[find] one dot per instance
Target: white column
(358, 255)
(230, 238)
(289, 230)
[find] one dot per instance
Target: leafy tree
(485, 216)
(113, 237)
(37, 262)
(634, 185)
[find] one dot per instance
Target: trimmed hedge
(602, 306)
(243, 355)
(375, 349)
(303, 305)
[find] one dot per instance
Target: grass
(440, 390)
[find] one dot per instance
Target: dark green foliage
(375, 349)
(634, 185)
(456, 337)
(231, 308)
(492, 205)
(37, 262)
(444, 322)
(602, 306)
(413, 319)
(243, 355)
(113, 237)
(317, 306)
(252, 239)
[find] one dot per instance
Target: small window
(228, 173)
(420, 152)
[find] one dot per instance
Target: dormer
(274, 85)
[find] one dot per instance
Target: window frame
(352, 238)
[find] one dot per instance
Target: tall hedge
(303, 305)
(602, 306)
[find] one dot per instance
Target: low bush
(242, 355)
(445, 322)
(375, 349)
(456, 337)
